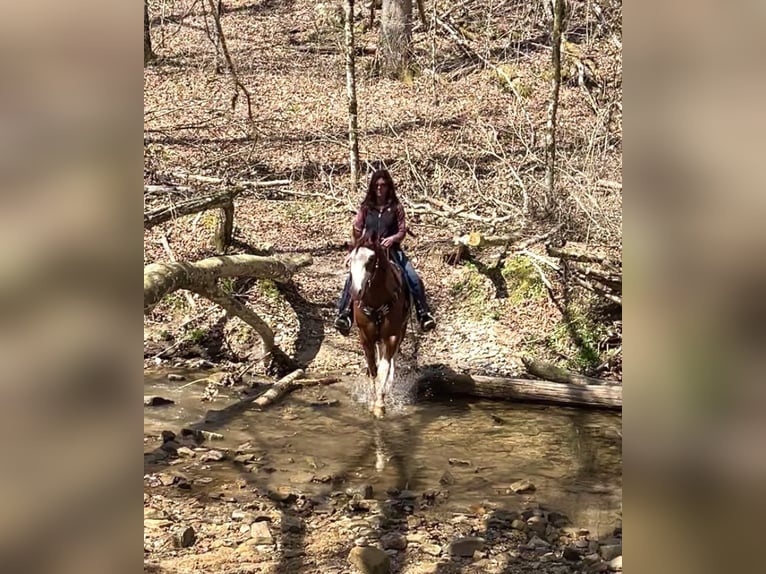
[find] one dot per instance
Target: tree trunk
(201, 277)
(148, 52)
(162, 214)
(556, 374)
(353, 132)
(550, 137)
(395, 37)
(450, 383)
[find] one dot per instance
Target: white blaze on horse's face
(358, 264)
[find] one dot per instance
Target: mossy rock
(523, 280)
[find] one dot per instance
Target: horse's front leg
(386, 369)
(368, 346)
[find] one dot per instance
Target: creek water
(474, 449)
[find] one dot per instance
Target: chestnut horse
(381, 306)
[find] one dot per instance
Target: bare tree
(550, 136)
(395, 37)
(149, 54)
(353, 132)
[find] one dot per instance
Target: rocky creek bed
(314, 485)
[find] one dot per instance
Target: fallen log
(527, 390)
(280, 389)
(161, 279)
(556, 374)
(168, 212)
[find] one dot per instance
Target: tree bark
(395, 37)
(550, 136)
(280, 389)
(149, 54)
(556, 374)
(166, 213)
(225, 230)
(450, 383)
(161, 279)
(353, 132)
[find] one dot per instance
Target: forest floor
(452, 134)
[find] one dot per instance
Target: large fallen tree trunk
(601, 396)
(168, 212)
(161, 279)
(557, 374)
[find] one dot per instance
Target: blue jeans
(411, 276)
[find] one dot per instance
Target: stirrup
(427, 322)
(343, 324)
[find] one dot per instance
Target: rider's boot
(425, 318)
(343, 321)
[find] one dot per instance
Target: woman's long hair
(369, 198)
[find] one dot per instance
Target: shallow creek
(474, 449)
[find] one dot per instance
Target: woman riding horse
(382, 213)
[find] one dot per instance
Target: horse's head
(364, 261)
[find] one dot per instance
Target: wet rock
(366, 504)
(301, 477)
(168, 435)
(369, 560)
(558, 519)
(200, 436)
(519, 525)
(521, 486)
(536, 543)
(447, 479)
(466, 546)
(260, 534)
(537, 524)
(175, 377)
(572, 554)
(184, 538)
(431, 549)
(283, 495)
(591, 559)
(615, 564)
(186, 452)
(166, 479)
(244, 458)
(610, 551)
(170, 446)
(157, 401)
(394, 541)
(212, 455)
(362, 491)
